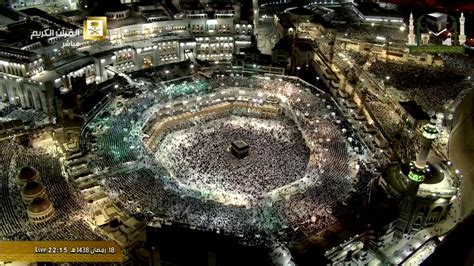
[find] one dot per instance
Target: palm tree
(94, 27)
(94, 24)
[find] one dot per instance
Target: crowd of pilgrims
(405, 82)
(199, 155)
(426, 85)
(115, 136)
(154, 200)
(28, 118)
(66, 224)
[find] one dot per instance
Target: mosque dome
(27, 174)
(40, 210)
(39, 205)
(32, 188)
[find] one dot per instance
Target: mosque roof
(27, 173)
(32, 188)
(39, 205)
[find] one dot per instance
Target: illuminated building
(424, 188)
(158, 34)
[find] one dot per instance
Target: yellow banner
(60, 251)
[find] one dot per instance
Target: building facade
(31, 74)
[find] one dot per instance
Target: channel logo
(95, 28)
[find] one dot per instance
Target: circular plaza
(302, 162)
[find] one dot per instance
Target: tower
(430, 132)
(462, 35)
(416, 176)
(256, 15)
(411, 31)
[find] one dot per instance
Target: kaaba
(240, 149)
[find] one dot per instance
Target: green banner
(436, 49)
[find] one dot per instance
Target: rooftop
(372, 9)
(301, 11)
(240, 144)
(39, 205)
(437, 15)
(305, 47)
(27, 173)
(19, 33)
(39, 13)
(72, 13)
(32, 188)
(132, 20)
(116, 8)
(415, 110)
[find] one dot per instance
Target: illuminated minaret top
(430, 133)
(419, 167)
(462, 35)
(411, 31)
(416, 176)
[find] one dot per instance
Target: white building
(156, 35)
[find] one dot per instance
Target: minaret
(416, 176)
(411, 31)
(256, 15)
(462, 35)
(430, 132)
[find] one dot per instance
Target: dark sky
(448, 5)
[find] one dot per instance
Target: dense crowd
(29, 117)
(326, 145)
(199, 156)
(425, 85)
(462, 63)
(390, 120)
(325, 177)
(14, 224)
(367, 33)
